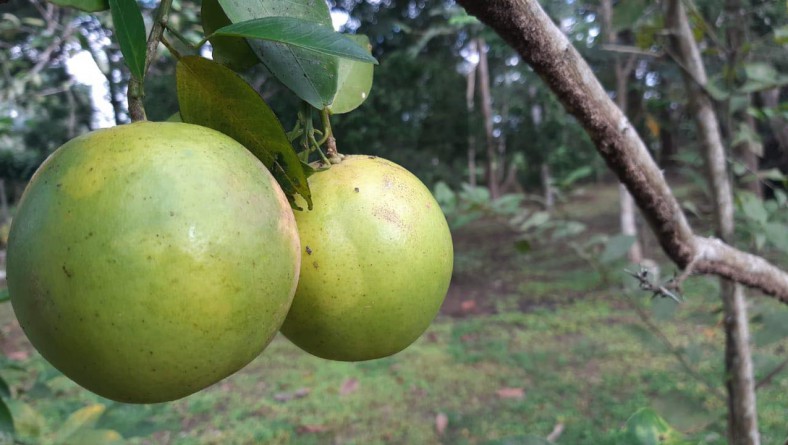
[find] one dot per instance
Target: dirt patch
(485, 262)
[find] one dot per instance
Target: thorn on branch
(670, 289)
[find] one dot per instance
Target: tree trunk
(778, 124)
(547, 187)
(627, 204)
(484, 87)
(525, 26)
(470, 92)
(739, 379)
(748, 150)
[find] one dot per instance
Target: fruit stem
(136, 91)
(324, 118)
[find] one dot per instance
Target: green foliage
(21, 423)
(763, 222)
(130, 31)
(298, 33)
(312, 77)
(231, 52)
(212, 95)
(646, 427)
(354, 80)
(472, 203)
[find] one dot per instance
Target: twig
(628, 49)
(667, 290)
(654, 328)
(136, 86)
(770, 376)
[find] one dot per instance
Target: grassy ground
(526, 345)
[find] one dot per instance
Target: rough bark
(739, 379)
(484, 90)
(527, 28)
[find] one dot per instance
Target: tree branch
(528, 29)
(136, 90)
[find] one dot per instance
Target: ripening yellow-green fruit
(150, 260)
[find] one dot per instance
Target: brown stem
(137, 86)
(767, 379)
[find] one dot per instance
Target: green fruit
(232, 52)
(150, 260)
(376, 262)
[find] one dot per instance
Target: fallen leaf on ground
(468, 305)
(441, 422)
(312, 429)
(511, 393)
(348, 386)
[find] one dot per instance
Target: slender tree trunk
(627, 204)
(546, 178)
(779, 125)
(547, 186)
(739, 380)
(748, 150)
(484, 87)
(470, 92)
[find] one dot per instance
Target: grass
(549, 346)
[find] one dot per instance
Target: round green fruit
(376, 262)
(150, 260)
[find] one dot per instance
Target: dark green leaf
(130, 31)
(6, 419)
(355, 81)
(231, 52)
(311, 76)
(213, 96)
(4, 295)
(83, 5)
(299, 33)
(309, 170)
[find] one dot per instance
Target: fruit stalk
(136, 90)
